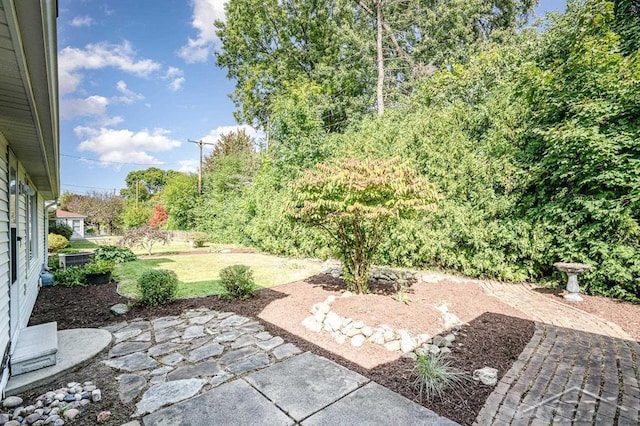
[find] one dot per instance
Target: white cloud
(176, 76)
(128, 95)
(125, 146)
(82, 21)
(205, 13)
(96, 56)
(77, 107)
(214, 135)
(188, 166)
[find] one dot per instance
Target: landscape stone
(144, 337)
(133, 362)
(392, 346)
(250, 408)
(253, 362)
(352, 331)
(206, 351)
(71, 414)
(367, 331)
(120, 308)
(201, 320)
(172, 359)
(340, 338)
(130, 387)
(193, 331)
(168, 393)
(126, 348)
(305, 383)
(123, 335)
(166, 322)
(333, 321)
(12, 402)
(407, 344)
(252, 327)
(265, 335)
(486, 375)
(271, 343)
(165, 334)
(203, 369)
(233, 320)
(243, 341)
(164, 348)
(311, 323)
(228, 336)
(103, 416)
(219, 379)
(320, 307)
(161, 370)
(285, 351)
(233, 356)
(358, 340)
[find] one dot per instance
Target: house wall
(4, 256)
(30, 258)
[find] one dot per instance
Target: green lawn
(199, 273)
(82, 245)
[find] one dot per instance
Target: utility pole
(200, 144)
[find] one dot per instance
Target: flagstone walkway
(577, 369)
(208, 367)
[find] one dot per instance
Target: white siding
(4, 254)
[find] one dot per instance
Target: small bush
(157, 287)
(198, 239)
(115, 254)
(56, 242)
(434, 374)
(237, 281)
(61, 229)
(99, 266)
(73, 276)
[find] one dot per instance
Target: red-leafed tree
(159, 217)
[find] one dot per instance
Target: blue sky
(138, 79)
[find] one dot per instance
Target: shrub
(73, 276)
(434, 374)
(115, 254)
(98, 266)
(56, 242)
(61, 229)
(198, 238)
(157, 287)
(237, 281)
(145, 237)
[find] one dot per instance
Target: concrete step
(37, 348)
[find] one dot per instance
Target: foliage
(56, 243)
(159, 217)
(143, 184)
(101, 209)
(72, 276)
(198, 238)
(157, 287)
(433, 375)
(144, 237)
(180, 197)
(356, 202)
(99, 266)
(61, 229)
(114, 254)
(232, 143)
(136, 215)
(237, 281)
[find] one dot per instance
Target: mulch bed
(489, 340)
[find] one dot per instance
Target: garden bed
(495, 334)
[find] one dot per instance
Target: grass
(434, 375)
(199, 273)
(82, 245)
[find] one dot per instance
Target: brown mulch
(495, 335)
(624, 314)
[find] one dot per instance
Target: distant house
(74, 220)
(29, 160)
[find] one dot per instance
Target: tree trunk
(380, 88)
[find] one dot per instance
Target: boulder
(486, 375)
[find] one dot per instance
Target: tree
(180, 198)
(159, 217)
(101, 209)
(134, 216)
(355, 202)
(238, 142)
(145, 237)
(143, 184)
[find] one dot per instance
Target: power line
(117, 162)
(84, 186)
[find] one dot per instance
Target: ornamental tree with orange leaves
(356, 202)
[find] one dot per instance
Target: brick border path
(577, 369)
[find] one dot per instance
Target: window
(77, 226)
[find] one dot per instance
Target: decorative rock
(201, 320)
(340, 338)
(71, 414)
(12, 402)
(164, 348)
(271, 343)
(120, 309)
(233, 320)
(348, 294)
(319, 316)
(357, 340)
(124, 348)
(134, 362)
(367, 331)
(206, 368)
(165, 334)
(265, 335)
(377, 338)
(103, 416)
(58, 422)
(4, 418)
(12, 423)
(172, 359)
(486, 375)
(434, 349)
(96, 395)
(330, 299)
(59, 396)
(32, 418)
(445, 350)
(253, 362)
(358, 324)
(351, 331)
(392, 346)
(193, 332)
(243, 341)
(407, 344)
(320, 307)
(333, 321)
(410, 355)
(168, 393)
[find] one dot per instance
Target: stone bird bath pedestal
(572, 270)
